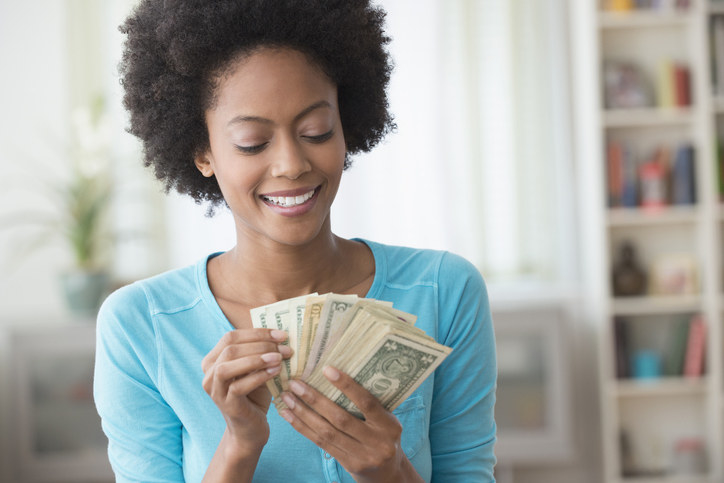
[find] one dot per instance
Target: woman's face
(276, 146)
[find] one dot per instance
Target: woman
(257, 105)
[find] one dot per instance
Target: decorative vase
(629, 279)
(84, 291)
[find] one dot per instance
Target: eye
(320, 138)
(251, 149)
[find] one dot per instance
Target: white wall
(33, 104)
(33, 96)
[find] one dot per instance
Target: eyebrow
(305, 111)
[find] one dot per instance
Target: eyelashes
(251, 149)
(318, 139)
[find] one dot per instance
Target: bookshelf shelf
(639, 155)
(644, 19)
(670, 215)
(667, 479)
(660, 387)
(652, 305)
(647, 117)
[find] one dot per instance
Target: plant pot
(84, 291)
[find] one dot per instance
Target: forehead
(271, 80)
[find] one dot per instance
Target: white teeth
(287, 201)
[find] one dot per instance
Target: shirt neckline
(208, 296)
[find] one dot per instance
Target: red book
(695, 348)
(682, 86)
(615, 173)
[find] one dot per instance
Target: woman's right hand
(235, 373)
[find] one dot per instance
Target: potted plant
(80, 198)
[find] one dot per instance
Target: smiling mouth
(289, 201)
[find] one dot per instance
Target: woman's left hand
(368, 449)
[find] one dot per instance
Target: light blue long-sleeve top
(163, 427)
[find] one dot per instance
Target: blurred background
(568, 148)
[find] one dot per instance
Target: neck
(263, 271)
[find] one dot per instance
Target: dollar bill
(394, 369)
(297, 307)
(312, 313)
(390, 357)
(334, 308)
(370, 340)
(259, 320)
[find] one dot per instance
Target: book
(621, 346)
(665, 95)
(681, 85)
(676, 350)
(695, 347)
(717, 49)
(719, 150)
(630, 189)
(614, 161)
(674, 84)
(683, 179)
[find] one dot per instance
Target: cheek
(237, 177)
(334, 169)
(338, 157)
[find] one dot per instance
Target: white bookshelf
(654, 413)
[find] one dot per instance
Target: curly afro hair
(176, 51)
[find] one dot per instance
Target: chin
(296, 238)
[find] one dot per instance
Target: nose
(290, 160)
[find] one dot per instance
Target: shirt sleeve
(144, 433)
(462, 424)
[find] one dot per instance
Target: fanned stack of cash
(375, 344)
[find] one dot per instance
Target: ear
(203, 163)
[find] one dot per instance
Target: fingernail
(273, 370)
(285, 350)
(288, 400)
(278, 334)
(286, 414)
(331, 373)
(297, 388)
(271, 357)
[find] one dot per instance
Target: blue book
(683, 185)
(630, 189)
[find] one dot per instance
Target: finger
(222, 374)
(339, 417)
(241, 336)
(238, 351)
(248, 383)
(318, 429)
(366, 402)
(241, 351)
